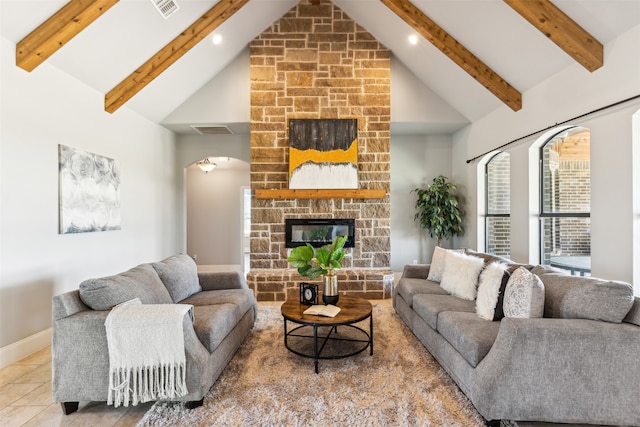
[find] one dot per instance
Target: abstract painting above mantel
(89, 192)
(323, 154)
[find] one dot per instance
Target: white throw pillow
(489, 286)
(524, 295)
(460, 275)
(437, 263)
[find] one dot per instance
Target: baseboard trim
(23, 348)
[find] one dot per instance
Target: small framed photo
(308, 293)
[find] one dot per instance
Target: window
(565, 201)
(498, 205)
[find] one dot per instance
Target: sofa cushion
(471, 336)
(489, 258)
(179, 274)
(539, 270)
(437, 262)
(141, 282)
(428, 307)
(460, 275)
(524, 295)
(576, 297)
(407, 288)
(486, 258)
(491, 286)
(214, 322)
(243, 298)
(634, 314)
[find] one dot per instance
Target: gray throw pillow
(524, 295)
(576, 297)
(179, 273)
(140, 282)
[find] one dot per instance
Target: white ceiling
(132, 31)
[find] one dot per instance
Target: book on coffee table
(323, 310)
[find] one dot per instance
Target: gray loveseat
(579, 363)
(224, 313)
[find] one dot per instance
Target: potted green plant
(437, 209)
(315, 262)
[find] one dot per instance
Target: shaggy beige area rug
(267, 385)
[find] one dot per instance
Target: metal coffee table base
(328, 341)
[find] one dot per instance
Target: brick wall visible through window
(566, 190)
(498, 228)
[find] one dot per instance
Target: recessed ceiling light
(413, 39)
(217, 39)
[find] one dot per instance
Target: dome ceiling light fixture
(205, 165)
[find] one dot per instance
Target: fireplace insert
(318, 231)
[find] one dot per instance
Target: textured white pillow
(489, 284)
(437, 263)
(460, 275)
(524, 295)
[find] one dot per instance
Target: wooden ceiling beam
(456, 52)
(562, 30)
(56, 31)
(169, 54)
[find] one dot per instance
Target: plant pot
(330, 289)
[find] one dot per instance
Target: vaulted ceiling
(477, 55)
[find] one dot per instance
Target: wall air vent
(166, 7)
(212, 130)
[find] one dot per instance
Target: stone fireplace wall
(317, 63)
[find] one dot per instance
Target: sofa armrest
(215, 280)
(566, 370)
(416, 271)
(67, 304)
(80, 357)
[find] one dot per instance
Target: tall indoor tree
(438, 210)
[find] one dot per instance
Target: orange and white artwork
(323, 154)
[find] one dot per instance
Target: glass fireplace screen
(318, 232)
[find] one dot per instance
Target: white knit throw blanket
(146, 352)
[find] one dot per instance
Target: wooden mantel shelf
(321, 194)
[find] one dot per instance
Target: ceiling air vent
(212, 130)
(166, 7)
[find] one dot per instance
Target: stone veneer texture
(317, 63)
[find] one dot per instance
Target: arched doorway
(215, 213)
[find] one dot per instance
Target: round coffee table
(320, 337)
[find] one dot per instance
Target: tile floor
(25, 400)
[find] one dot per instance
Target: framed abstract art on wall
(89, 192)
(323, 154)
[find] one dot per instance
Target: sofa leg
(69, 407)
(194, 403)
(492, 423)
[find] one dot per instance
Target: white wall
(224, 99)
(190, 149)
(214, 214)
(40, 110)
(636, 199)
(415, 161)
(414, 105)
(568, 94)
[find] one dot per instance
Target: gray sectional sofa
(224, 312)
(579, 363)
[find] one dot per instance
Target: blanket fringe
(145, 383)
